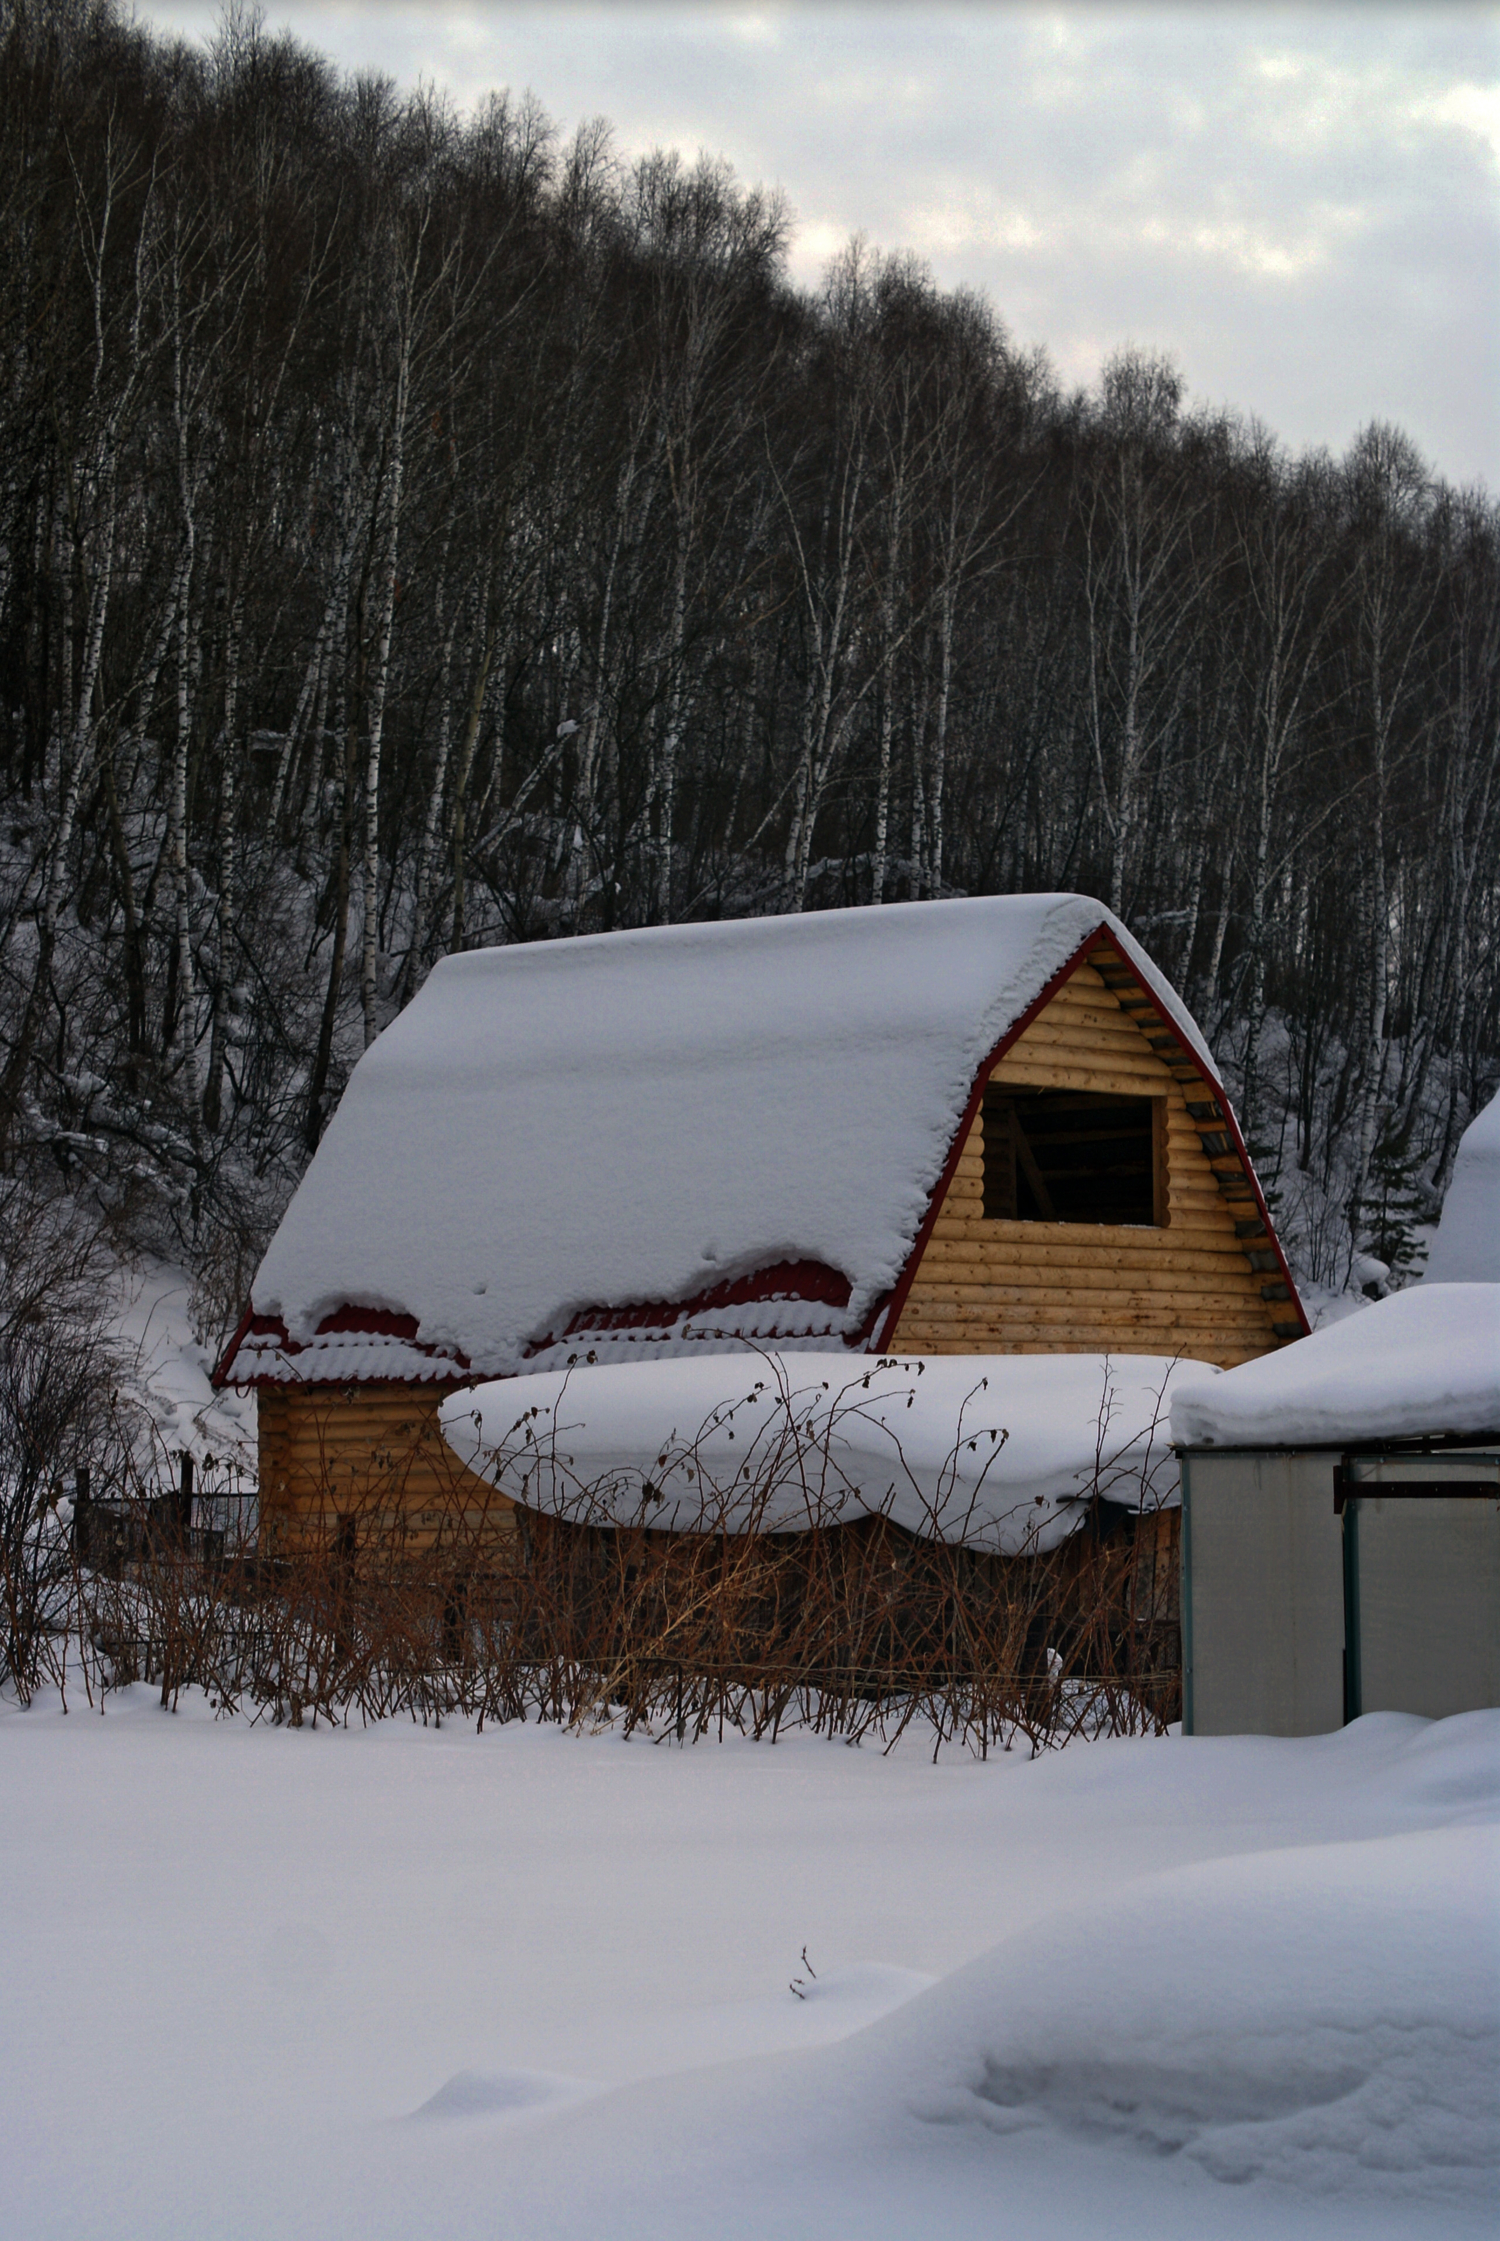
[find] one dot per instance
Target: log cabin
(981, 1125)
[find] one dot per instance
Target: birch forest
(419, 532)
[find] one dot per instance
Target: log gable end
(1203, 1278)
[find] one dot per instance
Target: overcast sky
(1300, 205)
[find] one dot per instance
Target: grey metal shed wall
(1297, 1617)
(1263, 1595)
(1424, 1578)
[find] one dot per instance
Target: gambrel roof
(652, 1140)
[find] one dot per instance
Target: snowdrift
(1327, 2017)
(1245, 1987)
(998, 1450)
(1466, 1249)
(1303, 2040)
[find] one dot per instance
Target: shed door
(1422, 1601)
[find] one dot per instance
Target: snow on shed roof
(1422, 1363)
(1466, 1249)
(999, 1451)
(721, 1114)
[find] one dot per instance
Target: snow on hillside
(307, 1985)
(165, 1369)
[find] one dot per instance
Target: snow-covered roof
(1466, 1249)
(1001, 1451)
(1422, 1363)
(687, 1134)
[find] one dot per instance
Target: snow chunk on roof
(569, 1126)
(1423, 1361)
(1001, 1451)
(1466, 1249)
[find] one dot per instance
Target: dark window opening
(1064, 1155)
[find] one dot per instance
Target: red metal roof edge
(341, 1322)
(442, 1372)
(219, 1377)
(806, 1281)
(810, 1281)
(1246, 1162)
(1260, 1199)
(899, 1295)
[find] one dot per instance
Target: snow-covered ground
(262, 1983)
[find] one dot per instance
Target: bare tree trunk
(179, 1017)
(72, 766)
(427, 846)
(317, 1117)
(307, 704)
(227, 961)
(887, 718)
(940, 746)
(473, 723)
(664, 777)
(369, 979)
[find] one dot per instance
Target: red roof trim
(343, 1322)
(219, 1377)
(806, 1280)
(373, 1322)
(1246, 1162)
(1018, 1027)
(1253, 1179)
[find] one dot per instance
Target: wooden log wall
(373, 1455)
(1204, 1283)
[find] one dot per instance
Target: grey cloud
(1276, 196)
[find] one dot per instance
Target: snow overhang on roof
(661, 1140)
(1423, 1363)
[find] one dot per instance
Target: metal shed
(1341, 1522)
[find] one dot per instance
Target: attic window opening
(1063, 1155)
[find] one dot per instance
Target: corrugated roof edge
(348, 1332)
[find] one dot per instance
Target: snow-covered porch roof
(1423, 1364)
(1002, 1452)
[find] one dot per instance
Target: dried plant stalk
(355, 1606)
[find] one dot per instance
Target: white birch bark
(369, 986)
